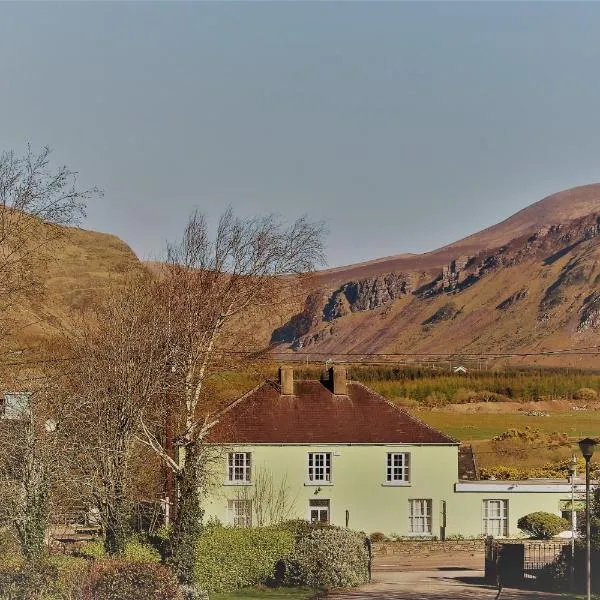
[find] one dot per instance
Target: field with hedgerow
(520, 422)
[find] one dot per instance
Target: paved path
(440, 584)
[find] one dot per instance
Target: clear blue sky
(404, 125)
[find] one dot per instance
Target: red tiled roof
(314, 415)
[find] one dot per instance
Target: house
(460, 370)
(335, 451)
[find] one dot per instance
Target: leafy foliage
(327, 557)
(542, 525)
(135, 551)
(28, 581)
(138, 552)
(559, 469)
(228, 558)
(117, 580)
(587, 394)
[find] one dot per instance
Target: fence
(513, 563)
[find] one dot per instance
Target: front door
(318, 511)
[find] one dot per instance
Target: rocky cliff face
(554, 252)
(366, 294)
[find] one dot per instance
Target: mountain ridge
(525, 284)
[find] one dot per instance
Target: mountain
(81, 266)
(528, 284)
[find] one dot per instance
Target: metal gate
(512, 563)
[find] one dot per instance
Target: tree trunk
(187, 526)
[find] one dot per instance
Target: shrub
(138, 552)
(228, 558)
(10, 551)
(542, 525)
(93, 550)
(120, 580)
(71, 575)
(377, 536)
(328, 557)
(435, 399)
(586, 394)
(135, 551)
(27, 582)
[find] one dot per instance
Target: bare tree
(32, 466)
(34, 202)
(208, 291)
(272, 503)
(116, 373)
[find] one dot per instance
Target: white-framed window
(239, 467)
(318, 511)
(495, 518)
(398, 467)
(240, 512)
(419, 516)
(319, 467)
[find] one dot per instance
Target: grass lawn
(483, 426)
(268, 594)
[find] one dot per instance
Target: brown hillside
(528, 284)
(80, 267)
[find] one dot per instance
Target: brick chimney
(286, 380)
(337, 380)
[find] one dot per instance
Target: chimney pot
(286, 380)
(337, 379)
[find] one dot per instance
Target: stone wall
(425, 547)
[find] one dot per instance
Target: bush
(135, 551)
(93, 550)
(139, 552)
(10, 550)
(27, 582)
(71, 575)
(377, 536)
(228, 558)
(120, 580)
(542, 525)
(435, 399)
(586, 394)
(327, 557)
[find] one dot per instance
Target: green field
(483, 426)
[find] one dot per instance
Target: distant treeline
(431, 387)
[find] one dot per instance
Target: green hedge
(327, 557)
(228, 558)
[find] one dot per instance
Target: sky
(404, 126)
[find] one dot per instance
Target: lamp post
(573, 474)
(587, 449)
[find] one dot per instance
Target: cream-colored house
(336, 451)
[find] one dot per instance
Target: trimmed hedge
(542, 525)
(327, 557)
(121, 580)
(229, 558)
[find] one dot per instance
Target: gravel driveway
(442, 584)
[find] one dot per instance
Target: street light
(587, 449)
(573, 474)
